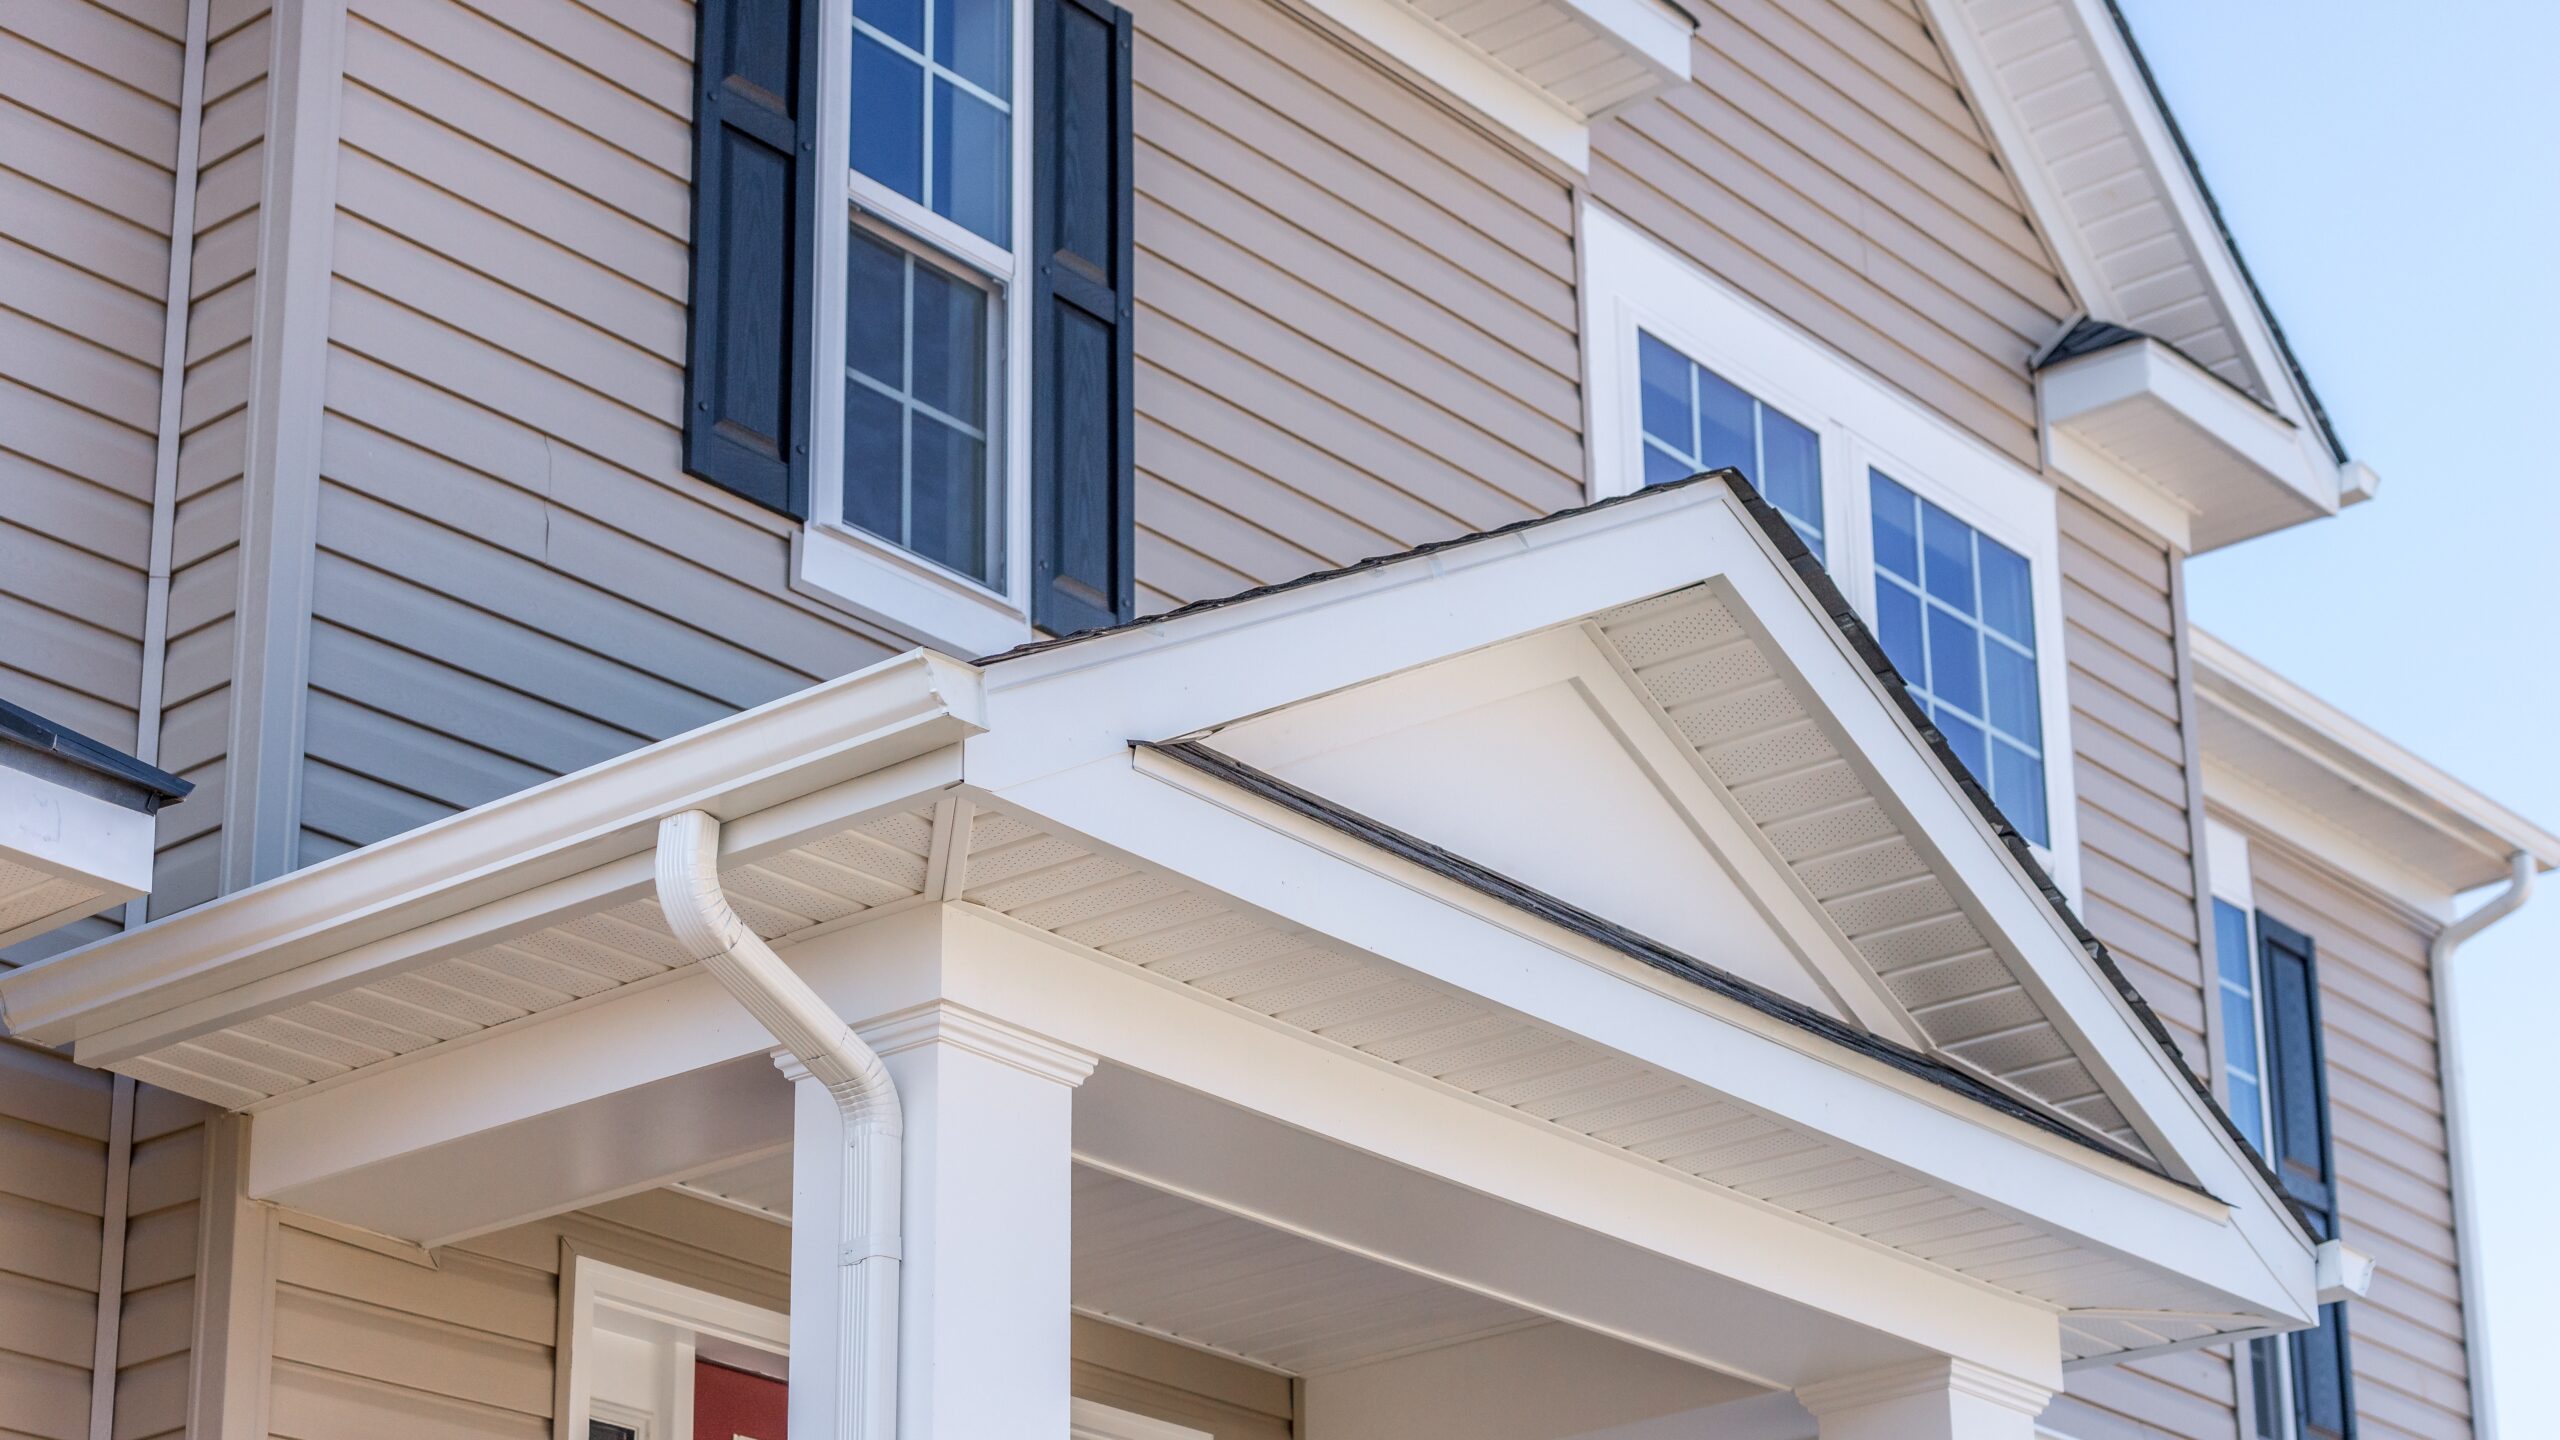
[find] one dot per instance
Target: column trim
(1940, 1376)
(942, 1022)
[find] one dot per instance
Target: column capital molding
(1939, 1376)
(941, 1022)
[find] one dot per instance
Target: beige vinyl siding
(88, 151)
(1163, 1381)
(2138, 890)
(373, 1344)
(514, 578)
(2137, 860)
(156, 1331)
(1357, 322)
(204, 576)
(1824, 162)
(54, 1119)
(2386, 1120)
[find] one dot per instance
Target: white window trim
(830, 560)
(592, 1289)
(1631, 283)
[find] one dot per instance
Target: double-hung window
(1947, 547)
(911, 303)
(930, 262)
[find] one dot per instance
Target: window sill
(908, 596)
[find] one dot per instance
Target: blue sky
(2392, 172)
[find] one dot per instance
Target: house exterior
(1323, 718)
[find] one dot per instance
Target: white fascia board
(97, 852)
(1284, 866)
(898, 710)
(2368, 758)
(1543, 103)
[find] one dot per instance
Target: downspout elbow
(2449, 1065)
(709, 928)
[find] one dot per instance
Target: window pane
(1724, 430)
(950, 496)
(874, 460)
(2239, 1031)
(888, 117)
(2017, 785)
(1955, 664)
(2248, 1113)
(1897, 539)
(1898, 627)
(1792, 457)
(975, 39)
(1661, 466)
(1664, 384)
(900, 20)
(1963, 737)
(951, 346)
(2010, 679)
(972, 183)
(2006, 604)
(917, 470)
(1948, 567)
(875, 311)
(2231, 945)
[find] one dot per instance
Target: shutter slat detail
(1083, 473)
(752, 342)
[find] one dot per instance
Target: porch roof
(1008, 791)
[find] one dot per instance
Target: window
(1949, 548)
(871, 349)
(1956, 612)
(2243, 1026)
(640, 1347)
(930, 258)
(1695, 419)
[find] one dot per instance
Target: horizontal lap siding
(156, 1332)
(204, 576)
(2137, 878)
(2387, 1126)
(514, 577)
(1824, 162)
(2137, 863)
(88, 153)
(373, 1345)
(1357, 327)
(54, 1119)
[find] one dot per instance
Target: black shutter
(2298, 1149)
(1083, 477)
(753, 340)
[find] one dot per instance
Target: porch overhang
(482, 995)
(75, 824)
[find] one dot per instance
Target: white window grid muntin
(992, 397)
(1631, 282)
(1694, 456)
(832, 560)
(1984, 634)
(1017, 11)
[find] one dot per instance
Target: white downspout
(2457, 1140)
(698, 910)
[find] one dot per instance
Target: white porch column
(983, 1319)
(1932, 1400)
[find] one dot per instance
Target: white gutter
(867, 1268)
(2466, 1212)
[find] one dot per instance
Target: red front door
(735, 1405)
